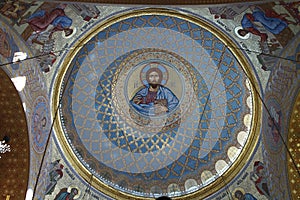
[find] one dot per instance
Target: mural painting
(281, 89)
(5, 49)
(44, 23)
(269, 20)
(41, 20)
(40, 124)
(272, 28)
(55, 174)
(32, 93)
(154, 99)
(126, 76)
(70, 193)
(14, 10)
(240, 194)
(259, 177)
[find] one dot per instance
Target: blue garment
(56, 17)
(63, 21)
(249, 197)
(162, 93)
(39, 13)
(272, 24)
(62, 196)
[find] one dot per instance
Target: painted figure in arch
(15, 9)
(5, 49)
(55, 174)
(40, 122)
(274, 123)
(64, 194)
(271, 21)
(259, 177)
(154, 99)
(46, 61)
(42, 19)
(241, 196)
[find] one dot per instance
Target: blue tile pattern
(212, 99)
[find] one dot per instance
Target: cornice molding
(159, 2)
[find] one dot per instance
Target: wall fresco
(280, 92)
(33, 90)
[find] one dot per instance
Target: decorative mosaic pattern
(152, 132)
(109, 70)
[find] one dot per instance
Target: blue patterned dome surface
(118, 140)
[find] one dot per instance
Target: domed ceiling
(155, 101)
(173, 100)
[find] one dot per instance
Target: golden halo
(69, 191)
(71, 35)
(236, 189)
(154, 64)
(237, 34)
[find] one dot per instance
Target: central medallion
(152, 90)
(154, 98)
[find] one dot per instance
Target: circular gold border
(256, 117)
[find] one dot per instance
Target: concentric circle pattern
(187, 136)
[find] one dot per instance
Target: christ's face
(154, 78)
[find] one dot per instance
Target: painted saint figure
(241, 196)
(154, 99)
(271, 21)
(55, 174)
(5, 49)
(40, 21)
(259, 177)
(65, 195)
